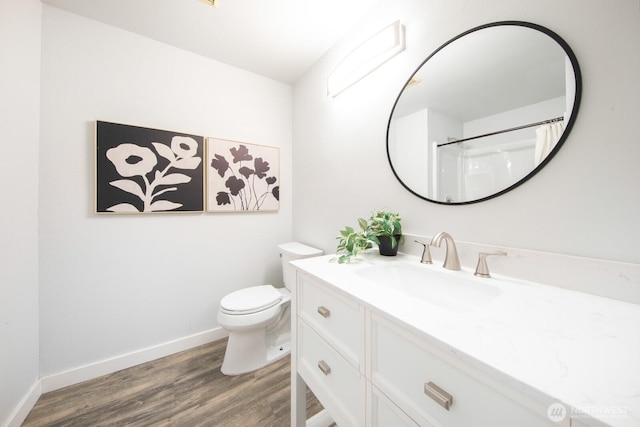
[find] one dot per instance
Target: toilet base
(247, 352)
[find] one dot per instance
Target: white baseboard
(107, 366)
(24, 407)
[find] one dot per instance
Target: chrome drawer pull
(324, 312)
(440, 396)
(326, 369)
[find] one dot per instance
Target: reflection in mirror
(484, 113)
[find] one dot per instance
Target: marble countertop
(553, 344)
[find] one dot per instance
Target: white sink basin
(448, 290)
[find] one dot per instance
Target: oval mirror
(484, 113)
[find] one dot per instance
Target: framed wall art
(142, 170)
(242, 177)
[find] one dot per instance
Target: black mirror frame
(567, 130)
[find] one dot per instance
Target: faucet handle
(482, 269)
(426, 254)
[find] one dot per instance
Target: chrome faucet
(451, 260)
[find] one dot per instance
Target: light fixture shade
(365, 58)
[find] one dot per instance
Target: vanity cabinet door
(384, 413)
(434, 391)
(337, 385)
(339, 320)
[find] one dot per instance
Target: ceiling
(279, 39)
(486, 72)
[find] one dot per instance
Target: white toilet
(259, 318)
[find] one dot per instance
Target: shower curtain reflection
(547, 136)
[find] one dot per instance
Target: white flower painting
(147, 170)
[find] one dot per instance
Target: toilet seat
(250, 300)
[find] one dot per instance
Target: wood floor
(186, 389)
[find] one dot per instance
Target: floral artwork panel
(142, 170)
(242, 177)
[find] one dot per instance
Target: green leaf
(352, 242)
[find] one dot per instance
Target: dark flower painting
(242, 177)
(141, 170)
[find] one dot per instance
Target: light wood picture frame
(242, 177)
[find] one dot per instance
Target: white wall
(116, 284)
(585, 202)
(19, 118)
(110, 285)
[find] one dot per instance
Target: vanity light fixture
(414, 81)
(365, 58)
(213, 3)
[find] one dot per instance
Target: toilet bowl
(258, 318)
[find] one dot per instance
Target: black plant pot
(385, 245)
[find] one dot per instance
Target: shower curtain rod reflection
(544, 122)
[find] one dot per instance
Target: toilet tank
(291, 252)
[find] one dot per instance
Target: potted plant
(351, 241)
(382, 228)
(387, 231)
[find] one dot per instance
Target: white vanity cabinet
(383, 412)
(368, 370)
(329, 353)
(435, 389)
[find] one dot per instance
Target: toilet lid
(251, 300)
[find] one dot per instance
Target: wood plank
(184, 389)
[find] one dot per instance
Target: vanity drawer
(337, 385)
(422, 382)
(338, 320)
